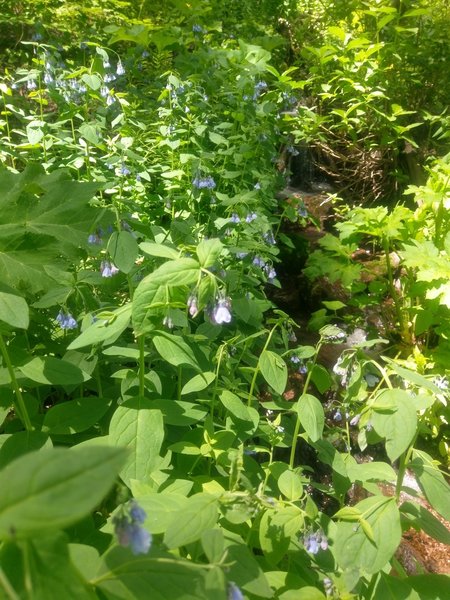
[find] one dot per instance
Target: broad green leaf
(431, 586)
(68, 483)
(353, 548)
(179, 412)
(44, 219)
(290, 485)
(244, 569)
(198, 382)
(236, 407)
(106, 329)
(218, 139)
(213, 544)
(272, 538)
(374, 471)
(34, 132)
(151, 293)
(92, 81)
(123, 250)
(160, 250)
(208, 251)
(14, 311)
(162, 509)
(89, 133)
(426, 520)
(398, 426)
(138, 426)
(274, 370)
(49, 370)
(389, 587)
(20, 443)
(175, 350)
(312, 416)
(432, 482)
(76, 415)
(157, 575)
(199, 514)
(49, 573)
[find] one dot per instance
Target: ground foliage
(150, 442)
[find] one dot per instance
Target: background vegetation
(165, 427)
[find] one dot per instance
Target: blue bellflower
(129, 531)
(221, 312)
(107, 269)
(66, 321)
(234, 593)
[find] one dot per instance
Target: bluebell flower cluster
(192, 305)
(260, 87)
(337, 416)
(204, 182)
(235, 218)
(129, 531)
(234, 593)
(120, 68)
(267, 268)
(269, 238)
(301, 210)
(197, 28)
(301, 367)
(220, 313)
(95, 239)
(251, 217)
(66, 321)
(108, 269)
(315, 541)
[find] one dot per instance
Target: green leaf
(426, 520)
(89, 133)
(375, 471)
(198, 383)
(213, 544)
(76, 415)
(106, 329)
(353, 548)
(123, 250)
(236, 407)
(49, 370)
(431, 586)
(208, 251)
(389, 587)
(272, 538)
(312, 416)
(398, 426)
(159, 250)
(162, 509)
(157, 575)
(49, 572)
(199, 514)
(290, 485)
(432, 482)
(151, 293)
(175, 350)
(44, 219)
(14, 311)
(92, 81)
(274, 370)
(138, 426)
(21, 443)
(177, 412)
(68, 483)
(217, 139)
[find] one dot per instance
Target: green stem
(255, 374)
(404, 460)
(19, 404)
(297, 422)
(9, 590)
(141, 343)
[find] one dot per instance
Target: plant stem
(7, 587)
(255, 374)
(19, 404)
(404, 460)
